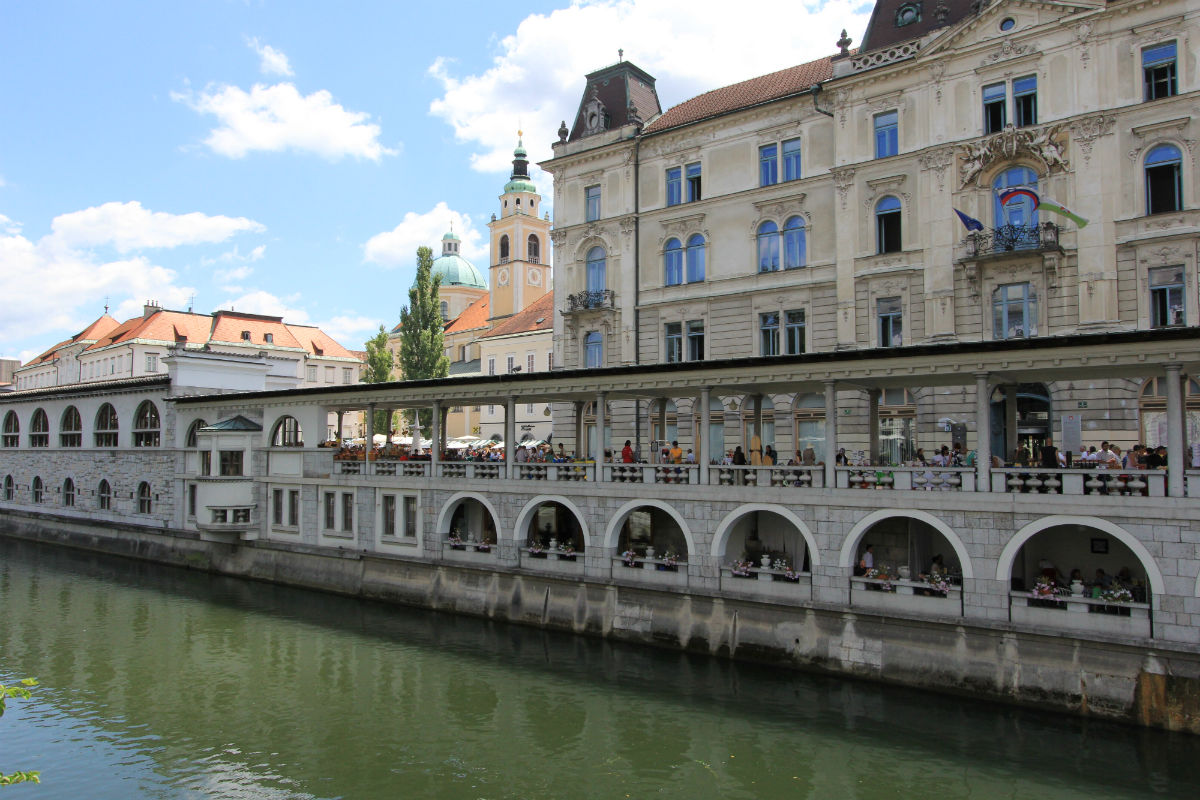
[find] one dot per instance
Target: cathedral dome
(454, 269)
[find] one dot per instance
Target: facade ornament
(937, 71)
(558, 236)
(1006, 51)
(1046, 144)
(941, 13)
(843, 179)
(628, 224)
(562, 131)
(937, 161)
(595, 115)
(1083, 33)
(1086, 131)
(843, 45)
(1175, 129)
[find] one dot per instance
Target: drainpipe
(815, 91)
(637, 230)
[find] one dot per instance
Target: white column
(370, 443)
(580, 439)
(510, 435)
(983, 433)
(662, 424)
(599, 454)
(1011, 439)
(873, 425)
(705, 454)
(435, 452)
(1175, 437)
(831, 445)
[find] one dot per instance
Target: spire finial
(106, 304)
(620, 54)
(844, 44)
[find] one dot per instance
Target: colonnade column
(831, 446)
(1175, 440)
(370, 442)
(1011, 439)
(983, 434)
(510, 434)
(662, 423)
(338, 434)
(873, 425)
(435, 452)
(600, 412)
(704, 436)
(580, 441)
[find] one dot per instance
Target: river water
(164, 683)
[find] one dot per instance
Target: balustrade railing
(1089, 481)
(587, 300)
(1007, 238)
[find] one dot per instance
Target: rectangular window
(1025, 101)
(231, 463)
(695, 340)
(312, 374)
(329, 374)
(1014, 312)
(550, 361)
(347, 375)
(794, 332)
(1166, 297)
(791, 160)
(330, 511)
(1158, 71)
(592, 203)
(191, 500)
(410, 516)
(347, 512)
(529, 408)
(530, 362)
(491, 365)
(995, 112)
(768, 165)
(277, 506)
(151, 362)
(673, 351)
(768, 334)
(593, 349)
(491, 410)
(674, 186)
(389, 515)
(206, 462)
(293, 507)
(511, 363)
(887, 134)
(693, 183)
(891, 326)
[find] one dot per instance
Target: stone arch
(613, 533)
(722, 532)
(532, 506)
(850, 544)
(587, 243)
(1009, 553)
(449, 507)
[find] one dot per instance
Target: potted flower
(483, 547)
(1117, 594)
(741, 569)
(536, 550)
(938, 582)
(566, 552)
(881, 574)
(629, 558)
(456, 542)
(669, 562)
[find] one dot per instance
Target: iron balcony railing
(587, 300)
(1009, 238)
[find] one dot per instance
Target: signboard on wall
(1072, 435)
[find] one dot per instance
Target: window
(511, 362)
(146, 425)
(795, 244)
(143, 495)
(1014, 311)
(529, 408)
(1158, 71)
(1166, 297)
(768, 165)
(695, 340)
(673, 263)
(592, 203)
(39, 490)
(692, 172)
(287, 433)
(444, 310)
(206, 462)
(70, 432)
(887, 225)
(791, 160)
(151, 362)
(491, 365)
(312, 374)
(104, 496)
(329, 374)
(695, 258)
(277, 506)
(674, 186)
(39, 429)
(768, 334)
(891, 326)
(768, 247)
(1164, 180)
(793, 332)
(593, 349)
(1025, 101)
(269, 338)
(10, 489)
(504, 248)
(908, 14)
(887, 134)
(410, 516)
(347, 375)
(231, 463)
(12, 430)
(1008, 24)
(68, 493)
(995, 114)
(597, 264)
(293, 507)
(245, 336)
(347, 512)
(530, 362)
(191, 500)
(389, 515)
(533, 249)
(673, 351)
(1019, 211)
(995, 104)
(330, 503)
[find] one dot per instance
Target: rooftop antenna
(191, 302)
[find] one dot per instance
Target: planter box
(785, 591)
(651, 576)
(553, 566)
(1072, 615)
(909, 603)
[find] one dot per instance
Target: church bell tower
(520, 244)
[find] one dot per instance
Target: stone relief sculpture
(1045, 144)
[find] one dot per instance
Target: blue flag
(971, 223)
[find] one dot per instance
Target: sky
(288, 158)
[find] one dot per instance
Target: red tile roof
(230, 327)
(314, 339)
(473, 317)
(538, 316)
(161, 326)
(103, 325)
(755, 91)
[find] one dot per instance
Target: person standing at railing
(627, 452)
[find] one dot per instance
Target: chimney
(150, 307)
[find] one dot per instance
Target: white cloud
(234, 274)
(537, 80)
(351, 331)
(258, 301)
(398, 247)
(271, 61)
(128, 226)
(9, 226)
(278, 118)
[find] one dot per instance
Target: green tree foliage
(422, 335)
(378, 370)
(19, 691)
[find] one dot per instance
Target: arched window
(104, 496)
(70, 429)
(192, 439)
(673, 263)
(39, 429)
(444, 310)
(106, 426)
(768, 247)
(593, 349)
(146, 425)
(887, 225)
(12, 430)
(1164, 180)
(68, 494)
(504, 249)
(10, 488)
(287, 433)
(897, 426)
(1153, 409)
(533, 249)
(144, 500)
(695, 258)
(795, 246)
(809, 427)
(597, 264)
(39, 490)
(1019, 211)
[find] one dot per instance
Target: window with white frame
(694, 256)
(673, 345)
(794, 333)
(767, 243)
(768, 165)
(312, 374)
(591, 203)
(695, 340)
(890, 315)
(1164, 180)
(795, 243)
(1158, 71)
(530, 362)
(491, 365)
(597, 268)
(887, 225)
(329, 374)
(674, 186)
(347, 375)
(887, 134)
(691, 175)
(768, 334)
(996, 112)
(1166, 297)
(151, 362)
(511, 361)
(593, 349)
(1014, 311)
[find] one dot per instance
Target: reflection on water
(163, 683)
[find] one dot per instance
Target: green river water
(164, 683)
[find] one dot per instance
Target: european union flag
(971, 223)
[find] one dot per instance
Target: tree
(21, 691)
(378, 370)
(422, 334)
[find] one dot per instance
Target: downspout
(815, 91)
(637, 272)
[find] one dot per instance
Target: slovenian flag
(971, 223)
(1038, 203)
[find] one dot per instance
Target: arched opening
(808, 413)
(68, 493)
(716, 428)
(472, 522)
(589, 431)
(146, 426)
(650, 532)
(553, 526)
(104, 496)
(504, 249)
(70, 429)
(38, 490)
(673, 263)
(39, 429)
(767, 242)
(534, 249)
(887, 225)
(106, 426)
(12, 430)
(10, 488)
(795, 244)
(664, 426)
(758, 429)
(1152, 407)
(763, 539)
(906, 548)
(192, 439)
(1020, 420)
(1164, 180)
(597, 265)
(287, 433)
(144, 499)
(696, 247)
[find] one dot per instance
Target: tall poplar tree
(378, 369)
(422, 334)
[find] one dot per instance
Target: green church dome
(454, 269)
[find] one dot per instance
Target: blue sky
(287, 158)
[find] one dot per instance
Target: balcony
(1007, 239)
(590, 301)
